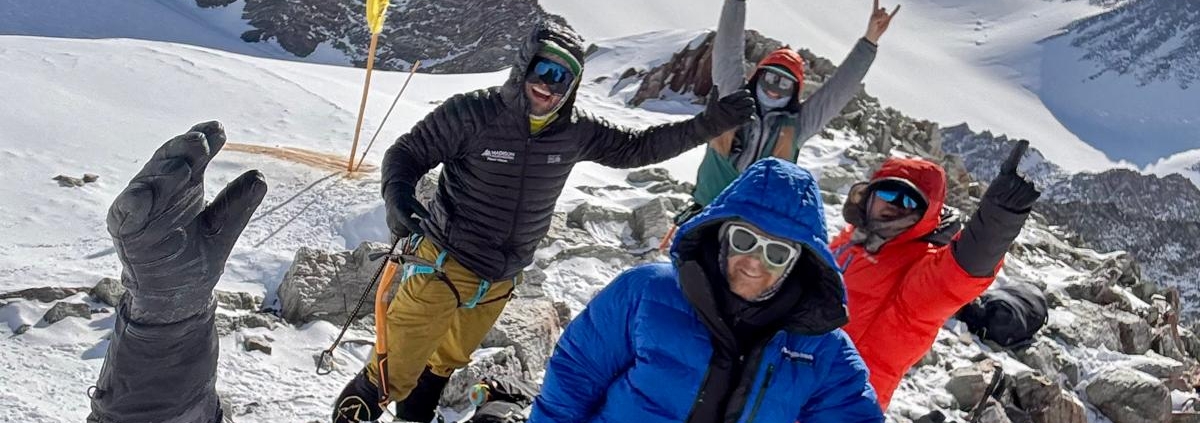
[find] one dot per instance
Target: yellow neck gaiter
(537, 123)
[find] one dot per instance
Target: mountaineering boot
(421, 404)
(359, 401)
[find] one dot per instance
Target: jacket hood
(927, 177)
(784, 201)
(790, 60)
(545, 32)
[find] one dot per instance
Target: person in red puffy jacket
(908, 267)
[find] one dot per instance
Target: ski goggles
(742, 240)
(898, 199)
(555, 75)
(774, 81)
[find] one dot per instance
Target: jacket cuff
(864, 42)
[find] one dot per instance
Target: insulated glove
(1011, 190)
(728, 112)
(402, 204)
(171, 245)
(999, 219)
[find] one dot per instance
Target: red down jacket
(900, 296)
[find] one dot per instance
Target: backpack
(501, 400)
(1007, 315)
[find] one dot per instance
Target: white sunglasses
(742, 240)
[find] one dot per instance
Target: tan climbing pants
(426, 326)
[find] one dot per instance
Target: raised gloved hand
(1010, 190)
(172, 246)
(1001, 215)
(728, 112)
(402, 205)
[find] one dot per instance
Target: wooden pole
(386, 115)
(362, 106)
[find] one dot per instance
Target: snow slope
(175, 21)
(950, 61)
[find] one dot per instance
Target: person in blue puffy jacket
(741, 326)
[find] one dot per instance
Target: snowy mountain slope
(947, 60)
(174, 21)
(1126, 80)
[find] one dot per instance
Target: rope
(385, 116)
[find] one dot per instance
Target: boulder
(1134, 332)
(324, 285)
(62, 311)
(587, 213)
(530, 327)
(238, 300)
(649, 175)
(22, 329)
(653, 220)
(1046, 402)
(1153, 364)
(992, 412)
(1050, 359)
(90, 177)
(968, 384)
(227, 323)
(257, 343)
(489, 362)
(108, 291)
(1129, 396)
(68, 181)
(43, 294)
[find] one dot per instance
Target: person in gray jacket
(506, 153)
(783, 122)
(161, 364)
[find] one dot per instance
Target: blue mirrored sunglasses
(551, 73)
(898, 199)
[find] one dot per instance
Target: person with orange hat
(783, 122)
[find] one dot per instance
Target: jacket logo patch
(554, 158)
(499, 156)
(796, 356)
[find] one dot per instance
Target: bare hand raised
(879, 22)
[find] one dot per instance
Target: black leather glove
(999, 219)
(728, 112)
(172, 247)
(1010, 190)
(402, 204)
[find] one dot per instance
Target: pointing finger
(1014, 158)
(876, 6)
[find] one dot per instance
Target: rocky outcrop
(324, 285)
(62, 311)
(1129, 396)
(1046, 402)
(531, 328)
(447, 36)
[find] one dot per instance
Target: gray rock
(1094, 326)
(108, 291)
(1046, 402)
(232, 323)
(530, 327)
(968, 384)
(649, 175)
(22, 329)
(68, 181)
(496, 363)
(653, 220)
(930, 358)
(90, 177)
(323, 285)
(587, 213)
(532, 284)
(1191, 342)
(238, 300)
(1134, 333)
(257, 343)
(993, 412)
(1051, 359)
(1129, 396)
(44, 294)
(62, 311)
(1153, 364)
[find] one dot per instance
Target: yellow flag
(375, 14)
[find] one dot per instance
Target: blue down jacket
(647, 347)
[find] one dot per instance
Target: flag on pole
(375, 14)
(376, 10)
